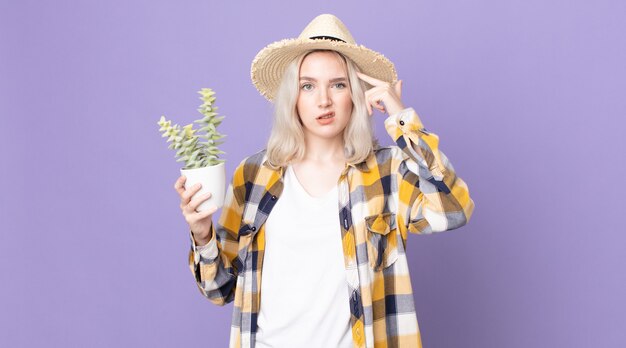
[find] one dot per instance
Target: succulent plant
(186, 141)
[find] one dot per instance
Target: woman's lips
(326, 118)
(326, 115)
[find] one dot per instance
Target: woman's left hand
(383, 96)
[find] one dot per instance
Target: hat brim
(270, 63)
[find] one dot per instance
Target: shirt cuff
(204, 253)
(406, 121)
(405, 127)
(407, 130)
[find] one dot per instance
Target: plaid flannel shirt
(411, 187)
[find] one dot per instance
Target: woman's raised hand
(383, 96)
(199, 222)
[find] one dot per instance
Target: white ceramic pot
(213, 179)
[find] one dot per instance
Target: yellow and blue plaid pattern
(411, 187)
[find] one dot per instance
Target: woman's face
(324, 101)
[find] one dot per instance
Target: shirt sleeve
(213, 264)
(439, 200)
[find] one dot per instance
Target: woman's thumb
(398, 88)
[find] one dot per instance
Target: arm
(212, 264)
(440, 201)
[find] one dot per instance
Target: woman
(310, 242)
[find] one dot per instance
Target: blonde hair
(286, 141)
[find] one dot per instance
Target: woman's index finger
(372, 81)
(179, 185)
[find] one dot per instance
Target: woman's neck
(324, 150)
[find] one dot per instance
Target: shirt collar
(361, 166)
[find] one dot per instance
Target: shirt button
(402, 123)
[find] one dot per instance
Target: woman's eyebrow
(336, 79)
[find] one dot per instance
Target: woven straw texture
(270, 63)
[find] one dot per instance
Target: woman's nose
(324, 98)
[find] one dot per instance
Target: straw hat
(324, 32)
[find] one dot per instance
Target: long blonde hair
(286, 141)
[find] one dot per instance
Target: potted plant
(202, 163)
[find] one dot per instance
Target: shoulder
(249, 166)
(255, 159)
(245, 174)
(386, 161)
(386, 156)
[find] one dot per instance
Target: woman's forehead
(323, 64)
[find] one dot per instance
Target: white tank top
(304, 292)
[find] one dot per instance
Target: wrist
(202, 241)
(394, 108)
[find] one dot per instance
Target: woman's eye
(307, 86)
(340, 85)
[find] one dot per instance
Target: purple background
(528, 98)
